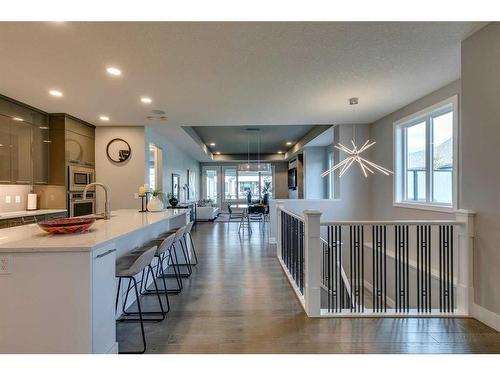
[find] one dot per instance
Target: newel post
(465, 286)
(312, 262)
(279, 206)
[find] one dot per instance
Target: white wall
(174, 161)
(125, 178)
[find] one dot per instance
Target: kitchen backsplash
(51, 196)
(15, 197)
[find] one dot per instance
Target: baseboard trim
(486, 316)
(272, 240)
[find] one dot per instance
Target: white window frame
(399, 154)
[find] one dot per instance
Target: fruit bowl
(67, 225)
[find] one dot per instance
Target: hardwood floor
(238, 301)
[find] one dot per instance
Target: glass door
(211, 185)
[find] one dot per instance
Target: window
(211, 184)
(248, 182)
(425, 156)
(230, 183)
(237, 184)
(331, 176)
(266, 183)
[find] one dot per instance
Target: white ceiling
(204, 74)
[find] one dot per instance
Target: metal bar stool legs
(162, 312)
(128, 267)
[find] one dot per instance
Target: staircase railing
(378, 268)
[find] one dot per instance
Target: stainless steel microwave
(79, 177)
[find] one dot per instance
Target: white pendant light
(354, 156)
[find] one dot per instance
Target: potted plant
(266, 189)
(172, 199)
(156, 203)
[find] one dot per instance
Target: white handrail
(292, 214)
(392, 222)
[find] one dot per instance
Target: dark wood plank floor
(238, 301)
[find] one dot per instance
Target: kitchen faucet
(107, 208)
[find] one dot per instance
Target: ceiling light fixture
(104, 118)
(217, 153)
(258, 166)
(114, 71)
(211, 144)
(56, 93)
(146, 100)
(289, 143)
(280, 152)
(17, 119)
(353, 155)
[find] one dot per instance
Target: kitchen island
(57, 292)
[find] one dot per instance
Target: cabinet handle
(105, 253)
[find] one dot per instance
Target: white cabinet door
(103, 298)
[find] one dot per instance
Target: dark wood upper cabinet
(20, 138)
(36, 147)
(40, 152)
(5, 170)
(24, 140)
(72, 142)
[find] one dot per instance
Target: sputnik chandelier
(353, 156)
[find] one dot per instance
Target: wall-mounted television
(292, 178)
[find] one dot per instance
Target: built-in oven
(79, 206)
(79, 177)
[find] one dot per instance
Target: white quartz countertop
(16, 214)
(31, 238)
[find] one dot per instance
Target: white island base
(58, 292)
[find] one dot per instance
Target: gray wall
(480, 177)
(174, 161)
(125, 178)
(381, 131)
(315, 163)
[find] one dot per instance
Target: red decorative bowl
(67, 225)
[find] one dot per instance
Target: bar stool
(164, 252)
(126, 268)
(180, 232)
(187, 232)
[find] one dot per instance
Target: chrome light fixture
(354, 156)
(254, 166)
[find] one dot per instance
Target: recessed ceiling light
(211, 144)
(56, 93)
(217, 153)
(114, 71)
(289, 143)
(104, 118)
(353, 101)
(17, 119)
(146, 100)
(280, 152)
